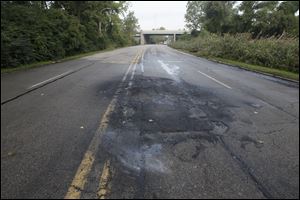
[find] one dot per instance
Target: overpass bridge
(144, 35)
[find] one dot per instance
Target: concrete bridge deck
(146, 33)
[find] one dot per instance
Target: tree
(131, 24)
(269, 18)
(260, 18)
(195, 15)
(214, 16)
(285, 19)
(42, 30)
(248, 15)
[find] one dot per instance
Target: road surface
(148, 122)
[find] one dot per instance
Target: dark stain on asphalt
(247, 170)
(188, 150)
(161, 111)
(245, 140)
(253, 104)
(162, 105)
(160, 114)
(107, 88)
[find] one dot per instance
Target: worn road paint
(50, 79)
(172, 71)
(142, 61)
(133, 71)
(215, 80)
(174, 61)
(130, 66)
(141, 55)
(81, 174)
(80, 178)
(136, 62)
(104, 185)
(103, 188)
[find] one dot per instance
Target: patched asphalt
(173, 133)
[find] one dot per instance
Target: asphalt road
(148, 122)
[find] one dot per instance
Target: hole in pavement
(160, 113)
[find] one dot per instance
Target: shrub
(269, 52)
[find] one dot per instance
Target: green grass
(43, 63)
(272, 71)
(256, 68)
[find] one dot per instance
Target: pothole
(164, 100)
(219, 128)
(188, 150)
(197, 113)
(245, 140)
(128, 112)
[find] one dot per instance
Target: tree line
(261, 33)
(33, 31)
(260, 18)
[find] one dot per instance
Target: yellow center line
(104, 185)
(104, 181)
(80, 178)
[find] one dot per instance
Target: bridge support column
(174, 37)
(142, 38)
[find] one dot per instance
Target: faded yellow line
(104, 181)
(80, 178)
(104, 184)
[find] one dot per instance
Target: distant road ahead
(148, 122)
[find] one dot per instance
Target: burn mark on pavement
(245, 140)
(160, 117)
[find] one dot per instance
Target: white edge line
(131, 78)
(125, 76)
(142, 67)
(133, 71)
(142, 62)
(50, 79)
(215, 80)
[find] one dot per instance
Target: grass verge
(43, 63)
(260, 69)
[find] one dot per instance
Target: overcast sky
(154, 14)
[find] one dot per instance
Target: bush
(30, 33)
(269, 52)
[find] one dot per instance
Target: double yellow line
(80, 178)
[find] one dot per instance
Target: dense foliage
(34, 31)
(260, 18)
(269, 52)
(264, 33)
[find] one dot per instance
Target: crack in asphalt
(149, 119)
(247, 170)
(44, 84)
